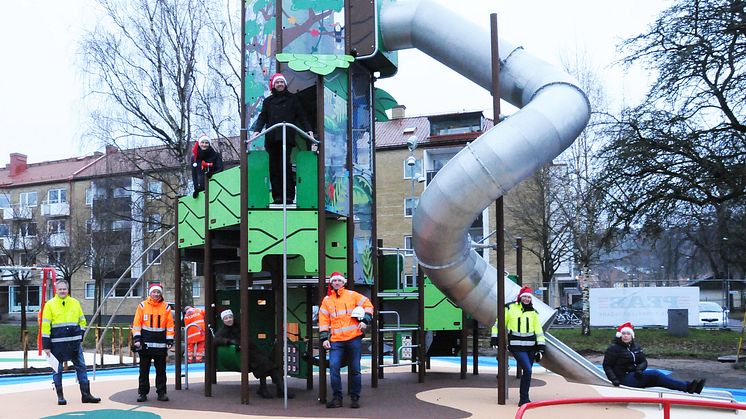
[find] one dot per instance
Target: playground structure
(279, 256)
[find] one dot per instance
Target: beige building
(401, 179)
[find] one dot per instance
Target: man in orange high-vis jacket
(194, 327)
(343, 317)
(153, 336)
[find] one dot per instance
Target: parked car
(712, 315)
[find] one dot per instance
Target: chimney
(17, 163)
(111, 149)
(397, 112)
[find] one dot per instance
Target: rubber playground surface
(442, 395)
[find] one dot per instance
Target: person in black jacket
(259, 363)
(206, 161)
(280, 106)
(625, 363)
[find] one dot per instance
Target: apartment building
(403, 173)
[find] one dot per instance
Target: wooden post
(25, 350)
(121, 353)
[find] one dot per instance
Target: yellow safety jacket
(524, 328)
(62, 327)
(335, 320)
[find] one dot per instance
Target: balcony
(17, 213)
(58, 209)
(58, 240)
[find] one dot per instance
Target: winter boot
(85, 392)
(162, 397)
(700, 386)
(60, 396)
(334, 403)
(263, 392)
(142, 398)
(355, 402)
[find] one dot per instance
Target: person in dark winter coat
(259, 364)
(526, 340)
(625, 363)
(280, 106)
(206, 161)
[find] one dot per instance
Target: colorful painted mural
(336, 175)
(362, 169)
(313, 26)
(261, 44)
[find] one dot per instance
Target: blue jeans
(653, 378)
(336, 354)
(79, 363)
(525, 360)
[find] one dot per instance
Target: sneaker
(522, 402)
(355, 403)
(334, 403)
(162, 397)
(142, 398)
(700, 386)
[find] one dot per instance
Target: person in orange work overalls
(194, 324)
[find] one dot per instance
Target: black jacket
(621, 359)
(281, 107)
(259, 363)
(213, 164)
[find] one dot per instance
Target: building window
(155, 189)
(4, 201)
(89, 225)
(154, 256)
(27, 199)
(55, 226)
(27, 229)
(27, 259)
(410, 204)
(121, 193)
(416, 169)
(33, 298)
(154, 222)
(88, 196)
(408, 245)
(4, 230)
(121, 225)
(90, 290)
(56, 196)
(122, 288)
(56, 257)
(409, 280)
(196, 288)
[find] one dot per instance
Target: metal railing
(665, 403)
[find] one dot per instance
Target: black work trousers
(274, 149)
(159, 361)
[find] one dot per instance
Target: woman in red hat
(525, 337)
(625, 363)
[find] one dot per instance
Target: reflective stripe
(47, 320)
(136, 334)
(521, 343)
(67, 339)
(323, 311)
(323, 328)
(344, 329)
(45, 335)
(63, 325)
(154, 329)
(155, 345)
(170, 329)
(521, 335)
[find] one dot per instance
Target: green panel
(440, 312)
(336, 247)
(261, 317)
(258, 165)
(390, 272)
(191, 221)
(225, 198)
(265, 237)
(306, 195)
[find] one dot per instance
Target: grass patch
(657, 343)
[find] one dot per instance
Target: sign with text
(642, 306)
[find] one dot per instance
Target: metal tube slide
(553, 112)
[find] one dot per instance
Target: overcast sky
(41, 89)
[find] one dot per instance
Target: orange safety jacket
(194, 323)
(335, 320)
(153, 325)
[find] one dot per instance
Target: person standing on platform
(343, 317)
(526, 340)
(280, 106)
(153, 336)
(206, 161)
(62, 328)
(194, 325)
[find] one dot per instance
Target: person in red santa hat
(526, 340)
(153, 336)
(625, 363)
(206, 161)
(280, 106)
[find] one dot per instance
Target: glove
(615, 382)
(538, 356)
(493, 341)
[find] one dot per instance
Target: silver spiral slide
(553, 112)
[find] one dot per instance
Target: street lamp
(411, 161)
